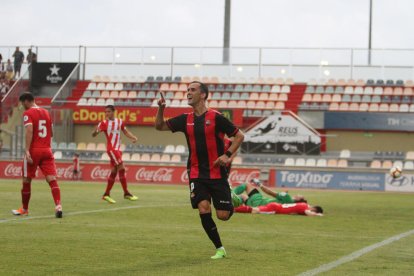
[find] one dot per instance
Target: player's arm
(96, 131)
(225, 158)
(130, 135)
(312, 213)
(28, 141)
(160, 123)
(268, 191)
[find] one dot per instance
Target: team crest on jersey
(208, 122)
(25, 118)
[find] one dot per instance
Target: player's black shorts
(207, 189)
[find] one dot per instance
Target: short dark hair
(26, 96)
(203, 87)
(111, 107)
(318, 209)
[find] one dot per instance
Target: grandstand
(332, 108)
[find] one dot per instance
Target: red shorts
(116, 157)
(43, 158)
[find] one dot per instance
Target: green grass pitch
(161, 235)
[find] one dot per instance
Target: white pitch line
(355, 255)
(18, 219)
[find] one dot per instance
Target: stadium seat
(321, 163)
(91, 146)
(315, 97)
(290, 162)
(273, 97)
(81, 146)
(87, 94)
(176, 158)
(373, 107)
(233, 104)
(378, 91)
(270, 105)
(251, 104)
(155, 157)
(363, 107)
(104, 157)
(126, 156)
(336, 98)
(411, 108)
(394, 108)
(169, 149)
(408, 165)
(213, 104)
(319, 90)
(275, 89)
(135, 157)
(62, 146)
(285, 89)
(326, 98)
(356, 98)
(108, 102)
(91, 102)
(368, 91)
(333, 107)
(82, 102)
(310, 162)
(387, 164)
(253, 96)
(145, 157)
(307, 98)
(237, 160)
(283, 97)
(263, 96)
(235, 96)
(349, 90)
(165, 158)
(123, 94)
(345, 154)
(343, 107)
(403, 108)
(165, 87)
(409, 155)
(354, 107)
(300, 162)
(408, 91)
(216, 96)
(280, 105)
(182, 87)
(398, 163)
(342, 163)
(375, 164)
(383, 107)
(57, 155)
(339, 90)
(398, 91)
(101, 86)
(91, 86)
(119, 86)
(359, 90)
(114, 95)
(333, 163)
(101, 147)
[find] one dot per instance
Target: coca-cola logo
(155, 175)
(65, 172)
(12, 170)
(242, 177)
(100, 173)
(184, 176)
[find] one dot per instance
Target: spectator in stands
(9, 70)
(31, 57)
(18, 60)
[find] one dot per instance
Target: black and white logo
(398, 182)
(54, 76)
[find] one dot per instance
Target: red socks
(55, 191)
(243, 209)
(111, 181)
(26, 192)
(122, 178)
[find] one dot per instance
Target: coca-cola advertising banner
(139, 115)
(134, 173)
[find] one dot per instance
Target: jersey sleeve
(102, 126)
(122, 125)
(226, 126)
(27, 119)
(177, 123)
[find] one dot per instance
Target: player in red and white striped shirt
(112, 128)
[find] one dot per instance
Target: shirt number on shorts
(42, 128)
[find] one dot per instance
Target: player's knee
(224, 215)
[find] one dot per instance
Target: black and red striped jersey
(205, 140)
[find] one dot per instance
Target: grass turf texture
(169, 239)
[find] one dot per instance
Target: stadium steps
(295, 97)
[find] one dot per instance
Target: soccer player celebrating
(112, 128)
(38, 153)
(205, 129)
(283, 209)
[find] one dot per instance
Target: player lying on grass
(249, 195)
(282, 209)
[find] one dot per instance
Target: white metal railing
(301, 64)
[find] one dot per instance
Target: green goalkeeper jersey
(259, 200)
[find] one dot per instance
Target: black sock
(211, 229)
